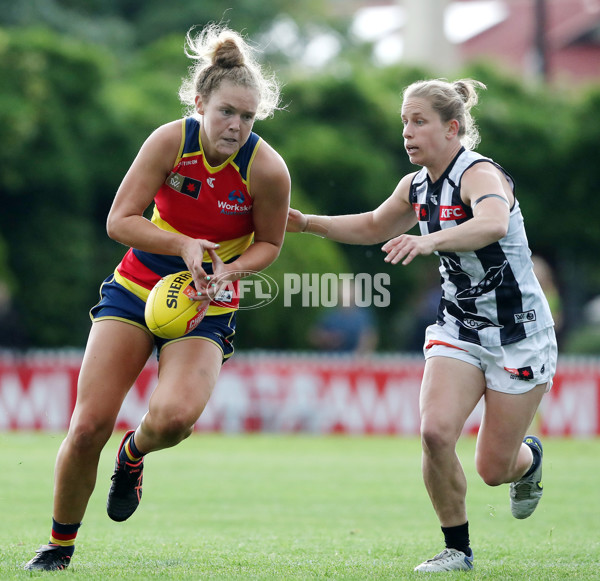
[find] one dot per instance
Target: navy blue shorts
(118, 303)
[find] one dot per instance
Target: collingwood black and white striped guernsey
(490, 296)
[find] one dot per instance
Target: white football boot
(447, 560)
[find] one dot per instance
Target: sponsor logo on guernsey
(236, 196)
(175, 181)
(523, 373)
(422, 212)
(526, 317)
(235, 206)
(191, 188)
(452, 213)
(184, 185)
(210, 182)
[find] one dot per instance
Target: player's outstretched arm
(393, 217)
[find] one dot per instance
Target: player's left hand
(219, 278)
(405, 247)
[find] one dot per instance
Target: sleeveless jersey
(490, 296)
(200, 201)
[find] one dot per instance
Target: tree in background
(60, 146)
(82, 92)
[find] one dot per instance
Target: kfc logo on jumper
(452, 213)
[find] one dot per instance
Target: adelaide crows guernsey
(489, 296)
(200, 201)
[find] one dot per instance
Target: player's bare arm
(393, 216)
(483, 189)
(126, 223)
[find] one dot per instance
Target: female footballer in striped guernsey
(494, 336)
(221, 196)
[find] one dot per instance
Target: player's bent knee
(492, 479)
(435, 438)
(89, 436)
(174, 425)
(491, 472)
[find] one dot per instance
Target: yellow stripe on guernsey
(138, 290)
(142, 293)
(227, 249)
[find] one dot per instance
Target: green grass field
(299, 507)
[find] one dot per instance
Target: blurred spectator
(591, 311)
(423, 315)
(544, 273)
(345, 328)
(12, 332)
(585, 339)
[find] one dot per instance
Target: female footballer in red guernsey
(221, 197)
